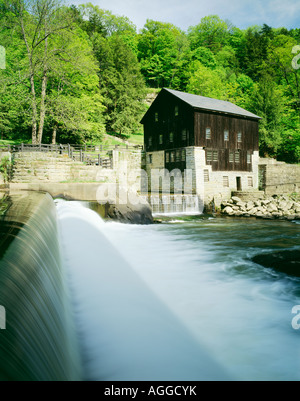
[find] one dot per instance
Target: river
(200, 269)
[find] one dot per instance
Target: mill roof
(207, 103)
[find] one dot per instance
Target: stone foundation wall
(199, 178)
(279, 178)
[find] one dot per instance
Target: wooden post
(81, 155)
(22, 147)
(69, 150)
(99, 160)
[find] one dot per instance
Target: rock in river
(283, 261)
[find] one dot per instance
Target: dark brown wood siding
(167, 123)
(247, 128)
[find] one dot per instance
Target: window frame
(225, 181)
(209, 156)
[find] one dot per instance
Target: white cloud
(242, 13)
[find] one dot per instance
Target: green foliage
(212, 32)
(268, 102)
(6, 168)
(163, 53)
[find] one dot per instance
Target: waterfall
(125, 331)
(176, 204)
(39, 342)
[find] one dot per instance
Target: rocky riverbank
(276, 207)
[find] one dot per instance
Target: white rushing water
(211, 306)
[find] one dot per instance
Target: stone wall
(62, 176)
(277, 178)
(217, 186)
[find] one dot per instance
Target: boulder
(129, 213)
(228, 210)
(283, 261)
(236, 199)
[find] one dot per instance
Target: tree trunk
(54, 135)
(34, 113)
(43, 96)
(43, 107)
(34, 105)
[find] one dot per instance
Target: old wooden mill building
(215, 140)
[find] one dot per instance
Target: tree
(38, 21)
(55, 61)
(206, 82)
(163, 55)
(121, 84)
(212, 32)
(268, 102)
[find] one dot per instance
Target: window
(161, 139)
(250, 182)
(167, 157)
(156, 117)
(208, 133)
(209, 155)
(226, 182)
(171, 137)
(176, 111)
(237, 156)
(239, 137)
(150, 159)
(150, 141)
(248, 157)
(172, 157)
(215, 156)
(183, 155)
(226, 135)
(178, 155)
(183, 134)
(231, 157)
(206, 176)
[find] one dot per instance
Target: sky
(185, 13)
